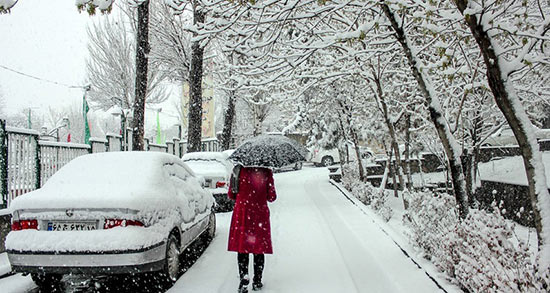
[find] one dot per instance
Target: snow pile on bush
(481, 253)
(365, 192)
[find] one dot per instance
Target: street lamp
(64, 123)
(124, 114)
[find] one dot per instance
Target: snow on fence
(26, 162)
(20, 163)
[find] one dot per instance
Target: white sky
(47, 39)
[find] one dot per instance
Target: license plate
(71, 226)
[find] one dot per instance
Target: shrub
(365, 192)
(480, 252)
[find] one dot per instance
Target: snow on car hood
(132, 180)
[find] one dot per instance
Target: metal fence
(26, 162)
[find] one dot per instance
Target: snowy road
(322, 243)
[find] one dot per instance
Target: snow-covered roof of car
(218, 156)
(209, 168)
(133, 180)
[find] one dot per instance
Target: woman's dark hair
(234, 180)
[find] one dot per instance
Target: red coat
(250, 230)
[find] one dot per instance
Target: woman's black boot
(243, 285)
(257, 284)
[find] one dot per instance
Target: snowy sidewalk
(5, 267)
(322, 243)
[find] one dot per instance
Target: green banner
(85, 110)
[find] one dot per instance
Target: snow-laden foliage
(111, 67)
(365, 192)
(6, 5)
(91, 6)
(481, 253)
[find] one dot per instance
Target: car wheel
(327, 161)
(170, 272)
(298, 166)
(47, 282)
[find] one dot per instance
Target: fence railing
(26, 162)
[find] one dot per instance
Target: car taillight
(24, 225)
(220, 184)
(111, 223)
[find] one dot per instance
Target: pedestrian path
(322, 243)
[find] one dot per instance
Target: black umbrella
(268, 151)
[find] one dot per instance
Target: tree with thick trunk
(142, 49)
(436, 115)
(194, 133)
(510, 105)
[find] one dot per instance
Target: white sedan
(215, 168)
(110, 213)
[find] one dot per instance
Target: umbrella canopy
(268, 151)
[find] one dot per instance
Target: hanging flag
(29, 122)
(158, 128)
(85, 110)
(69, 130)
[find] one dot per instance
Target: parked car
(110, 213)
(298, 165)
(215, 168)
(505, 136)
(327, 157)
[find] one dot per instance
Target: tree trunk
(408, 150)
(347, 112)
(142, 50)
(194, 132)
(467, 162)
(447, 139)
(478, 124)
(229, 117)
(386, 174)
(358, 154)
(516, 117)
(391, 129)
(394, 178)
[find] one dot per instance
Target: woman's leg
(259, 263)
(242, 259)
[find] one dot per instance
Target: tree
(112, 72)
(171, 41)
(194, 132)
(507, 54)
(142, 67)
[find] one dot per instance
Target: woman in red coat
(250, 230)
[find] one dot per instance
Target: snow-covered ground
(510, 170)
(322, 243)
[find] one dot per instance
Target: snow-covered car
(215, 168)
(295, 166)
(110, 213)
(327, 157)
(505, 136)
